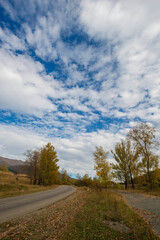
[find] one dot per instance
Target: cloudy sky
(76, 74)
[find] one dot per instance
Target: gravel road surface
(18, 206)
(147, 206)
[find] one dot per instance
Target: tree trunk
(30, 179)
(150, 180)
(132, 182)
(35, 175)
(126, 184)
(149, 176)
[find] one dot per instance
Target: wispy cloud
(77, 73)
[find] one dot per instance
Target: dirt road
(18, 206)
(147, 206)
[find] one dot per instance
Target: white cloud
(22, 89)
(75, 154)
(133, 30)
(113, 71)
(15, 141)
(11, 41)
(118, 20)
(43, 37)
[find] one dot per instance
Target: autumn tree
(83, 181)
(127, 162)
(96, 183)
(33, 163)
(133, 161)
(78, 181)
(143, 136)
(64, 176)
(120, 168)
(3, 167)
(157, 177)
(87, 181)
(48, 165)
(101, 165)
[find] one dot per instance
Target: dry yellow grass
(18, 184)
(10, 178)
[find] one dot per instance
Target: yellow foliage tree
(127, 165)
(101, 165)
(143, 136)
(48, 165)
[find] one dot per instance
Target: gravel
(147, 206)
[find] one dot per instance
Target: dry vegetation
(106, 216)
(84, 215)
(47, 223)
(17, 184)
(7, 177)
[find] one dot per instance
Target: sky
(78, 74)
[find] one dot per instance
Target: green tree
(101, 165)
(144, 139)
(48, 165)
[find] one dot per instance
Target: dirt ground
(145, 205)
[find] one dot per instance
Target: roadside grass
(18, 184)
(84, 215)
(12, 190)
(102, 211)
(47, 223)
(7, 177)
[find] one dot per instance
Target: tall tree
(64, 176)
(143, 136)
(33, 161)
(101, 165)
(48, 165)
(121, 170)
(132, 158)
(36, 162)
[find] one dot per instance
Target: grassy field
(82, 216)
(17, 184)
(106, 216)
(89, 215)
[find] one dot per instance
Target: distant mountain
(11, 162)
(16, 166)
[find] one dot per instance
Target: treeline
(135, 162)
(87, 181)
(134, 159)
(43, 167)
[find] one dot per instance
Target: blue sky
(77, 74)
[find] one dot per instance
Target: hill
(16, 166)
(11, 162)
